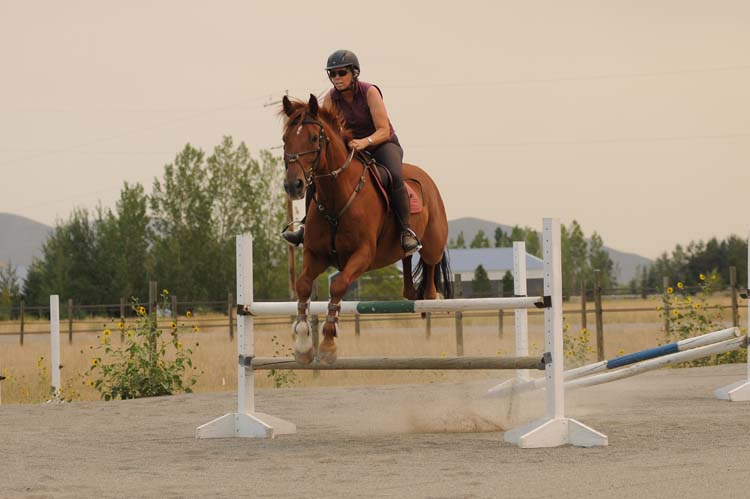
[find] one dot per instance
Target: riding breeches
(391, 156)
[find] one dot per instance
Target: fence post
(459, 334)
(230, 311)
(583, 305)
(459, 320)
(356, 316)
(599, 321)
(152, 310)
(500, 323)
(665, 285)
(23, 309)
(70, 321)
(733, 286)
(428, 325)
(122, 319)
(174, 308)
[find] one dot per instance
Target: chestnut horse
(348, 225)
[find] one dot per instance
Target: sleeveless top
(357, 117)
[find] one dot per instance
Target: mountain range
(21, 240)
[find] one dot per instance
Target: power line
(616, 140)
(607, 76)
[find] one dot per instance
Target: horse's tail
(443, 278)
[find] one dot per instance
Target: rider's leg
(296, 237)
(391, 155)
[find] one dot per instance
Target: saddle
(383, 180)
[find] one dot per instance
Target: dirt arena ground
(668, 438)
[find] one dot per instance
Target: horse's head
(305, 141)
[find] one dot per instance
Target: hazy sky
(632, 117)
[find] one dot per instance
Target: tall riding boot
(297, 237)
(400, 200)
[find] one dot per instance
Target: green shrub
(149, 363)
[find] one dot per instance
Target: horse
(348, 223)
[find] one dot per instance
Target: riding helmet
(343, 58)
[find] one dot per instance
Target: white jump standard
(553, 430)
(740, 391)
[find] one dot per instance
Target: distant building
(496, 261)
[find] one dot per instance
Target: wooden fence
(224, 315)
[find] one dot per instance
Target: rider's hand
(358, 144)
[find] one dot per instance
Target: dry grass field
(215, 354)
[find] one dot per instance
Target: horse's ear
(287, 106)
(313, 105)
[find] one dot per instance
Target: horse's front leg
(357, 264)
(304, 350)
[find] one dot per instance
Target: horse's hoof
(305, 357)
(328, 357)
(302, 341)
(327, 351)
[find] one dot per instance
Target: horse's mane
(332, 117)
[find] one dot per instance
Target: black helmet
(343, 58)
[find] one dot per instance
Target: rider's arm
(379, 117)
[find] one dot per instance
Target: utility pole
(291, 261)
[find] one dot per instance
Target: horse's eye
(314, 138)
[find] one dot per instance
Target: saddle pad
(415, 204)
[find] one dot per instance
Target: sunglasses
(340, 72)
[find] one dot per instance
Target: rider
(365, 116)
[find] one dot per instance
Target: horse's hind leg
(408, 291)
(428, 282)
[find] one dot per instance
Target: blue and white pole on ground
(740, 390)
(666, 351)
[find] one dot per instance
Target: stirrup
(294, 237)
(410, 248)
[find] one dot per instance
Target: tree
(459, 242)
(9, 290)
(533, 245)
(198, 208)
(501, 239)
(508, 287)
(481, 286)
(599, 259)
(480, 240)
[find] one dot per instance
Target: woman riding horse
(366, 119)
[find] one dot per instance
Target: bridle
(290, 158)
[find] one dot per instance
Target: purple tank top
(357, 115)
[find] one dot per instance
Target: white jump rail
(551, 431)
